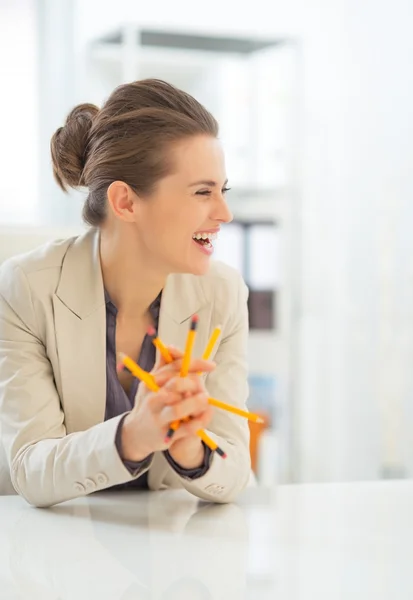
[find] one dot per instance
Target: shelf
(257, 204)
(185, 41)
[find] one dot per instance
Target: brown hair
(127, 140)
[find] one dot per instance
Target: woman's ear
(122, 201)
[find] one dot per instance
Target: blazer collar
(81, 284)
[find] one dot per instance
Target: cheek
(168, 226)
(167, 234)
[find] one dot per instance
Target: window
(18, 112)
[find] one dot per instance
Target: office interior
(314, 104)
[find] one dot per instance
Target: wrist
(188, 454)
(131, 449)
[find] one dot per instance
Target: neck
(129, 277)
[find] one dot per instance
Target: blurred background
(315, 104)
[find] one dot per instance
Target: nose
(221, 210)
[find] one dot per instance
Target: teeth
(205, 236)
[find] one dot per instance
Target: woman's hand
(145, 428)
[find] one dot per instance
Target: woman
(70, 425)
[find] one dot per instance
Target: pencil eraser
(151, 330)
(194, 323)
(221, 453)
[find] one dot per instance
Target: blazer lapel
(183, 297)
(80, 325)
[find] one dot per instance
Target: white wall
(357, 330)
(353, 382)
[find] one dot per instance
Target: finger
(192, 427)
(168, 397)
(194, 406)
(163, 374)
(176, 353)
(157, 401)
(185, 385)
(201, 421)
(196, 365)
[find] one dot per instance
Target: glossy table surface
(299, 542)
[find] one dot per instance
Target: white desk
(321, 542)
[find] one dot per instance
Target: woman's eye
(209, 192)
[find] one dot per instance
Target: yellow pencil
(166, 355)
(138, 372)
(190, 340)
(236, 411)
(185, 367)
(147, 378)
(211, 443)
(211, 343)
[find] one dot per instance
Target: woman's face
(185, 206)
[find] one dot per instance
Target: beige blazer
(54, 443)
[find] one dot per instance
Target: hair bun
(69, 146)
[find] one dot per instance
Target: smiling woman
(70, 423)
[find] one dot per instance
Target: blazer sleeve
(47, 465)
(226, 478)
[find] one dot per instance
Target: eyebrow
(207, 182)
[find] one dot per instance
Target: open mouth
(204, 239)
